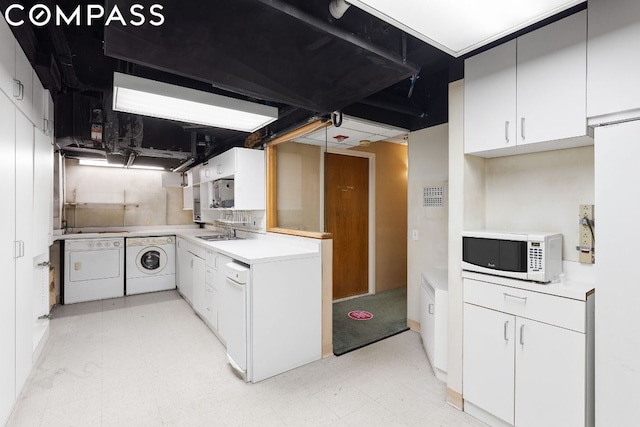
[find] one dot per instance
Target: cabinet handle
(506, 131)
(506, 326)
(522, 128)
(523, 299)
(16, 249)
(18, 90)
(521, 334)
(430, 308)
(21, 248)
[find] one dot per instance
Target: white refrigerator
(617, 252)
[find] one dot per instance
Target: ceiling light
(150, 168)
(458, 27)
(101, 163)
(146, 97)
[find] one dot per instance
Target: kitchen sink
(216, 237)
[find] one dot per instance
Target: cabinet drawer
(197, 250)
(563, 312)
(209, 276)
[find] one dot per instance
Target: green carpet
(389, 311)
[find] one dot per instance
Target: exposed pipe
(338, 32)
(337, 8)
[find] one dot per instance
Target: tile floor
(148, 360)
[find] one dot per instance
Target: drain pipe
(337, 8)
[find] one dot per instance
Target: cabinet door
(24, 234)
(552, 81)
(38, 112)
(42, 193)
(427, 323)
(24, 74)
(7, 253)
(187, 198)
(184, 269)
(612, 83)
(490, 99)
(224, 164)
(198, 277)
(488, 360)
(550, 375)
(7, 59)
(249, 180)
(617, 334)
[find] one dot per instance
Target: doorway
(347, 218)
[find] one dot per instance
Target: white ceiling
(460, 26)
(355, 130)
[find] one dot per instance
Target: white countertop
(252, 249)
(437, 278)
(572, 289)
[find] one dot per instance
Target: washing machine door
(151, 260)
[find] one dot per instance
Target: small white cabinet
(529, 94)
(528, 356)
(247, 169)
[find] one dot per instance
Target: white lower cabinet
(524, 371)
(191, 273)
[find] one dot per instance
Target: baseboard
(484, 416)
(413, 325)
(327, 350)
(455, 399)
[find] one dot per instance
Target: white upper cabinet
(552, 81)
(490, 99)
(7, 58)
(23, 92)
(529, 94)
(246, 167)
(20, 83)
(613, 61)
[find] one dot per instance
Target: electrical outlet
(587, 230)
(414, 234)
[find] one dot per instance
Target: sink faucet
(231, 233)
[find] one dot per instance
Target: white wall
(107, 190)
(541, 192)
(428, 165)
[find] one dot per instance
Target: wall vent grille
(433, 197)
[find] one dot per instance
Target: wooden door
(347, 218)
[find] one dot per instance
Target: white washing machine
(151, 264)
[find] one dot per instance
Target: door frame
(371, 259)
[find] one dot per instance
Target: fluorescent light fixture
(101, 163)
(146, 97)
(105, 164)
(460, 26)
(151, 168)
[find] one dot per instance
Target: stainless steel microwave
(528, 256)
